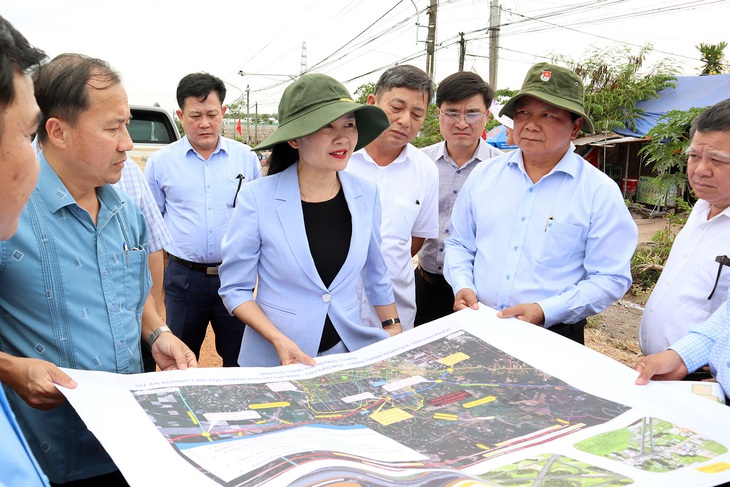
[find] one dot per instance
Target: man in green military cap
(539, 233)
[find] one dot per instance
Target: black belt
(433, 279)
(210, 269)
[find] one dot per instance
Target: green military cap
(555, 85)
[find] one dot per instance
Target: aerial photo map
(445, 405)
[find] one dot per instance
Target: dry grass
(622, 350)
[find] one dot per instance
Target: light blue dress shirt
(564, 242)
(196, 196)
(18, 467)
(709, 343)
(72, 293)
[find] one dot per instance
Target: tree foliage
(615, 79)
(713, 56)
(362, 92)
(668, 142)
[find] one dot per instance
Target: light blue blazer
(267, 238)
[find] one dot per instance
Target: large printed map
(469, 400)
(451, 403)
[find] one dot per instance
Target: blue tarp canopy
(689, 92)
(497, 137)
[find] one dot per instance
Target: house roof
(689, 92)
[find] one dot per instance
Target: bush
(648, 261)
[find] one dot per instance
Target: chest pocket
(405, 213)
(136, 284)
(560, 243)
(233, 185)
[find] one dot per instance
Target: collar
(568, 164)
(404, 156)
(221, 146)
(55, 195)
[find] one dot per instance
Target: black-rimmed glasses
(723, 260)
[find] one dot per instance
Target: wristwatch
(155, 334)
(391, 321)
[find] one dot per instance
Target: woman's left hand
(393, 330)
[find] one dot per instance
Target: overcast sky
(153, 43)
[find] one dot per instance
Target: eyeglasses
(723, 260)
(471, 117)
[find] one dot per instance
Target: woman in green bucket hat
(309, 231)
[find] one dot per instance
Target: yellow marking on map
(438, 381)
(483, 447)
(479, 402)
(715, 467)
(444, 416)
(284, 422)
(390, 416)
(327, 416)
(192, 418)
(454, 359)
(269, 405)
(562, 421)
(205, 434)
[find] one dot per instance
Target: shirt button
(114, 308)
(447, 231)
(530, 190)
(523, 218)
(106, 272)
(441, 250)
(326, 297)
(507, 278)
(516, 247)
(439, 268)
(458, 171)
(455, 192)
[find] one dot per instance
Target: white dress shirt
(409, 196)
(679, 299)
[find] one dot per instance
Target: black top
(329, 228)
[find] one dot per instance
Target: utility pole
(248, 117)
(431, 40)
(462, 51)
(494, 22)
(303, 62)
(256, 127)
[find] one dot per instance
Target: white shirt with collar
(679, 299)
(409, 195)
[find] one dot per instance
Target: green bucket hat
(555, 85)
(313, 101)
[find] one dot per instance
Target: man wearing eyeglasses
(407, 181)
(462, 99)
(539, 233)
(695, 280)
(195, 182)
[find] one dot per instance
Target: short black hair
(62, 86)
(714, 119)
(200, 86)
(462, 85)
(405, 76)
(16, 55)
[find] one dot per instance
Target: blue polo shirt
(72, 293)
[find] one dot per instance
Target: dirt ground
(613, 332)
